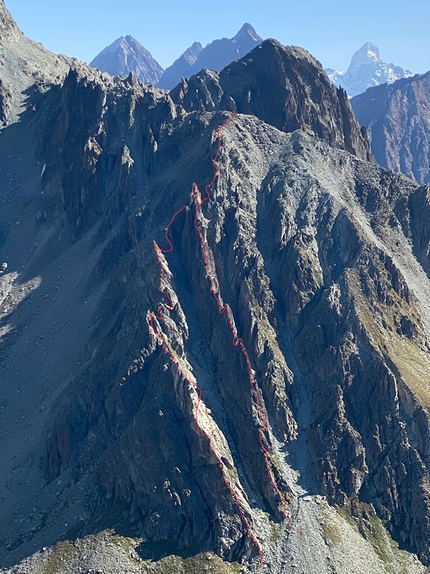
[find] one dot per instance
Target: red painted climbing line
(236, 341)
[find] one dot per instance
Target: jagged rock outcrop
(283, 86)
(127, 55)
(321, 258)
(9, 30)
(214, 56)
(397, 118)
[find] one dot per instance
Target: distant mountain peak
(214, 56)
(127, 55)
(366, 70)
(368, 53)
(192, 53)
(247, 31)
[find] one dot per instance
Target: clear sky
(331, 30)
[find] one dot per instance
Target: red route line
(236, 341)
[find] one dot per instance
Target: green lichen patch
(60, 557)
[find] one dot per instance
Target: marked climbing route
(236, 341)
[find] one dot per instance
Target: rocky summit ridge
(292, 92)
(322, 257)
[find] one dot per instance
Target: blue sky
(331, 31)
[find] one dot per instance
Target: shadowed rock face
(321, 257)
(397, 118)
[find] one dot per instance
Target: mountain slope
(397, 117)
(366, 70)
(215, 56)
(23, 63)
(181, 68)
(321, 257)
(127, 55)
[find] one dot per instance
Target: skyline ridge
(330, 34)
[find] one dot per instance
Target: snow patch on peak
(192, 53)
(367, 54)
(366, 70)
(246, 31)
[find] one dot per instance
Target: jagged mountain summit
(397, 117)
(366, 70)
(139, 440)
(215, 56)
(127, 55)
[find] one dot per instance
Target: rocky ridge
(397, 117)
(286, 88)
(321, 256)
(214, 56)
(23, 64)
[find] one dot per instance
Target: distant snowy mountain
(366, 70)
(215, 56)
(127, 55)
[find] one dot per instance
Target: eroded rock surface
(283, 86)
(397, 117)
(322, 259)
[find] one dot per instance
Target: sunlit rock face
(320, 255)
(127, 55)
(397, 118)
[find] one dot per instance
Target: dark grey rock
(397, 118)
(321, 256)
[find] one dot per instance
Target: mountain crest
(127, 55)
(192, 53)
(367, 54)
(366, 70)
(8, 28)
(305, 99)
(214, 56)
(247, 31)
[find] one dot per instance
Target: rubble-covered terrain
(109, 462)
